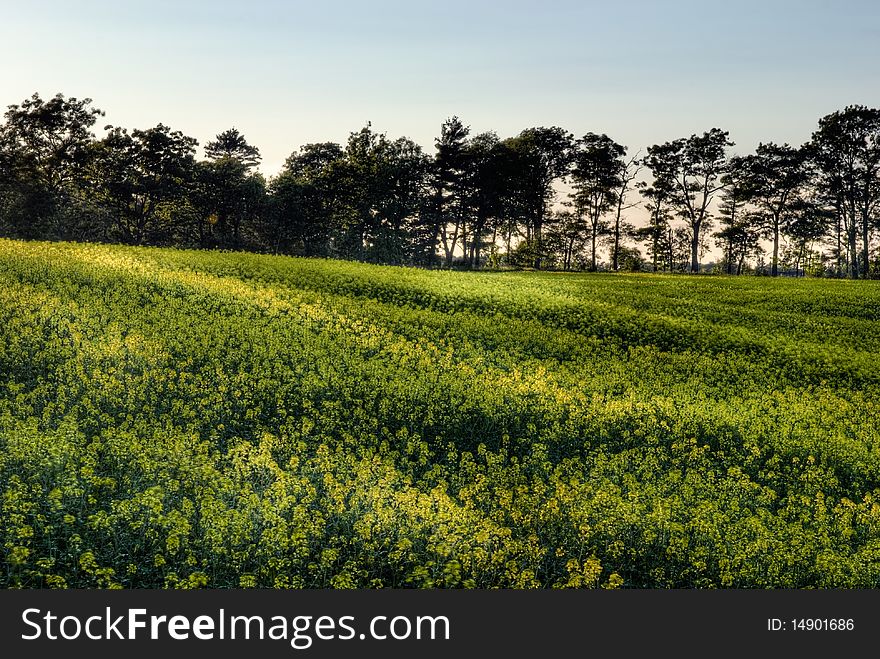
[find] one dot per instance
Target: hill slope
(180, 419)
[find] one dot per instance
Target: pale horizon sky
(290, 73)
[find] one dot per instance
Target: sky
(291, 73)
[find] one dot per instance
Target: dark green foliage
(846, 152)
(231, 145)
(596, 177)
(689, 172)
(478, 201)
(44, 152)
(145, 178)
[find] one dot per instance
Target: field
(187, 419)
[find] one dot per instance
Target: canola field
(184, 419)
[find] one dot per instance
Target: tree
(401, 190)
(354, 183)
(7, 181)
(304, 195)
(50, 138)
(771, 179)
(809, 222)
(489, 192)
(145, 178)
(679, 248)
(231, 195)
(690, 169)
(658, 229)
(846, 150)
(449, 185)
(545, 156)
(630, 259)
(568, 235)
(44, 149)
(312, 161)
(230, 144)
(739, 237)
(629, 170)
(373, 195)
(597, 176)
(505, 182)
(736, 222)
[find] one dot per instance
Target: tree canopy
(538, 199)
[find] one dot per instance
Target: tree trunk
(853, 248)
(615, 257)
(654, 247)
(774, 267)
(695, 248)
(865, 242)
(537, 243)
(593, 251)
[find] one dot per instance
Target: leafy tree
(313, 161)
(44, 148)
(680, 242)
(740, 238)
(231, 194)
(449, 183)
(809, 222)
(772, 178)
(230, 144)
(629, 170)
(377, 192)
(488, 189)
(545, 156)
(295, 223)
(657, 231)
(596, 177)
(50, 139)
(690, 169)
(846, 150)
(471, 183)
(7, 181)
(566, 236)
(630, 259)
(401, 190)
(304, 196)
(738, 223)
(145, 178)
(504, 181)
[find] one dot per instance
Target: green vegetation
(185, 419)
(478, 201)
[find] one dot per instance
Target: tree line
(542, 199)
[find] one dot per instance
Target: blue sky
(288, 73)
